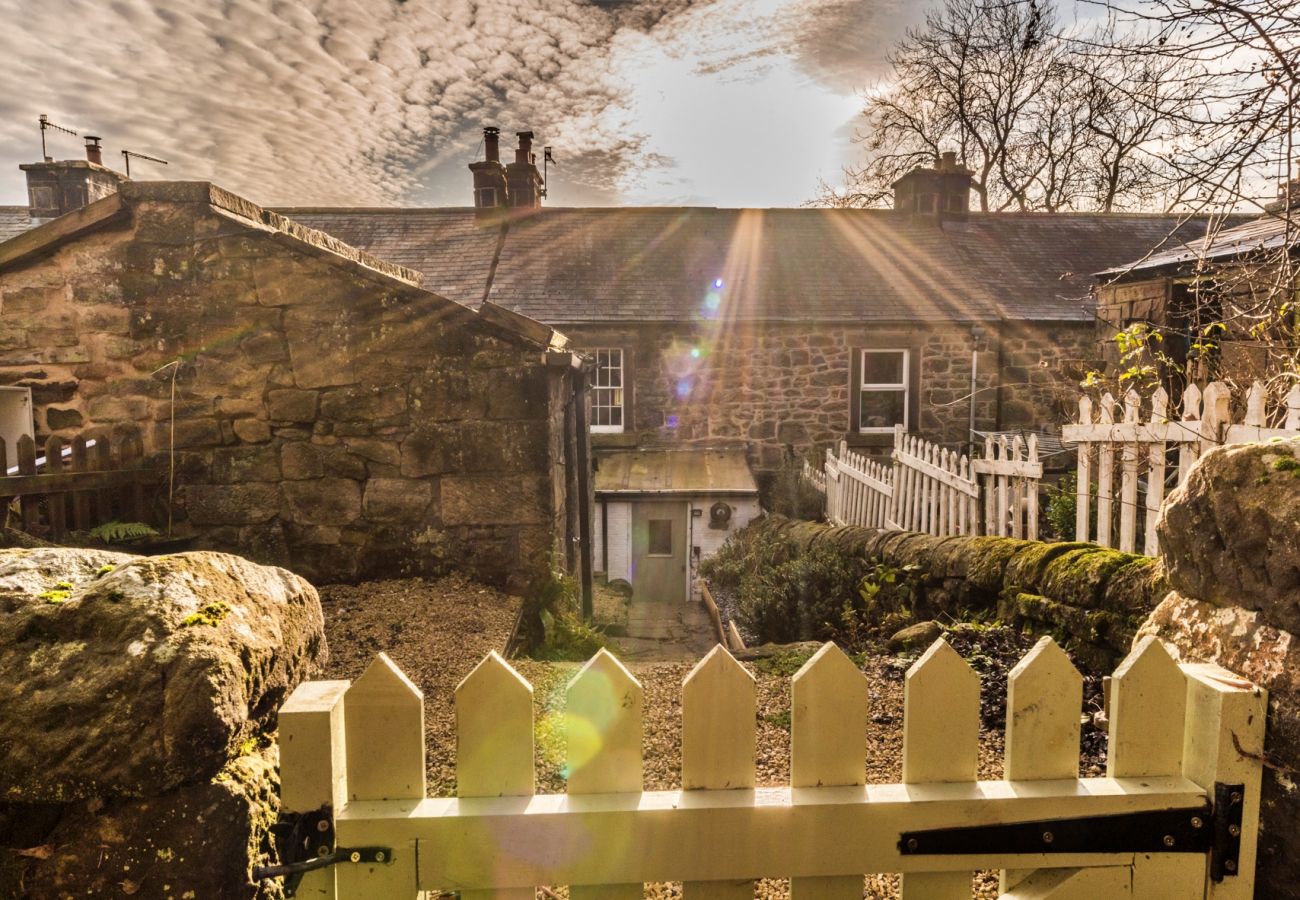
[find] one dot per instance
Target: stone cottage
(761, 331)
(330, 413)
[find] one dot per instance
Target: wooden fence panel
(1204, 421)
(80, 460)
(56, 504)
(1175, 733)
(27, 466)
(828, 722)
(941, 725)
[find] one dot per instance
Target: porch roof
(674, 472)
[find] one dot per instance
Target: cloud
(368, 102)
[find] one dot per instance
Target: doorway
(659, 551)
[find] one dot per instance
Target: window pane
(607, 389)
(883, 409)
(882, 367)
(661, 537)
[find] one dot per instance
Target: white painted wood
(1148, 700)
(1105, 475)
(1031, 491)
(1044, 700)
(602, 728)
(1155, 473)
(828, 724)
(383, 718)
(719, 709)
(1128, 506)
(1292, 420)
(1074, 884)
(723, 835)
(940, 744)
(494, 743)
(1225, 716)
(1255, 397)
(313, 764)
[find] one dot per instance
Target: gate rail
(1182, 762)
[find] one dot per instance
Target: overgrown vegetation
(553, 617)
(122, 532)
(210, 614)
(792, 496)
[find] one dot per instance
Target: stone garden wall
(777, 385)
(1091, 598)
(329, 414)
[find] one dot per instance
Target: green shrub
(744, 554)
(553, 619)
(1062, 508)
(799, 599)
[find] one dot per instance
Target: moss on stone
(1079, 577)
(54, 596)
(1027, 567)
(210, 614)
(1287, 464)
(987, 558)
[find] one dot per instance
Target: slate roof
(1268, 232)
(658, 264)
(13, 221)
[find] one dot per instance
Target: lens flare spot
(695, 353)
(684, 386)
(584, 741)
(671, 422)
(712, 300)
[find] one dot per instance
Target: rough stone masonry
(329, 414)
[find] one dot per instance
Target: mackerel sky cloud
(378, 102)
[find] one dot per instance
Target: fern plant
(122, 532)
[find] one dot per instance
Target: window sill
(615, 439)
(869, 438)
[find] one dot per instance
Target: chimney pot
(524, 154)
(93, 151)
(491, 144)
(948, 161)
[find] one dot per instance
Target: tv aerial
(128, 154)
(46, 125)
(547, 161)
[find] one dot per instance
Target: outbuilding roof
(1269, 232)
(693, 472)
(681, 264)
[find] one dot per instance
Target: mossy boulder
(1228, 534)
(131, 676)
(1080, 576)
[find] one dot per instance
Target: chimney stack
(1288, 196)
(490, 192)
(939, 193)
(523, 179)
(56, 188)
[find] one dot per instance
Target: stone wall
(777, 385)
(1091, 598)
(329, 416)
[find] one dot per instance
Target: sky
(382, 102)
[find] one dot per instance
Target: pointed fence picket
(354, 754)
(1141, 441)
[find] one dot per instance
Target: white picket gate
(354, 755)
(1205, 421)
(933, 490)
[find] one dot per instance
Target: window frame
(650, 553)
(860, 386)
(597, 389)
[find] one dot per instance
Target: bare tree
(1045, 120)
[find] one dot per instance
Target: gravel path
(437, 631)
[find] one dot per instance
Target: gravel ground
(437, 631)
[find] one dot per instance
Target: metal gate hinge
(1214, 828)
(305, 842)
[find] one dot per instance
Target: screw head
(1230, 865)
(1196, 822)
(1235, 796)
(1048, 837)
(323, 825)
(322, 850)
(1234, 830)
(1169, 840)
(355, 856)
(912, 844)
(380, 856)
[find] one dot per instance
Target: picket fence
(1181, 738)
(1113, 514)
(930, 489)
